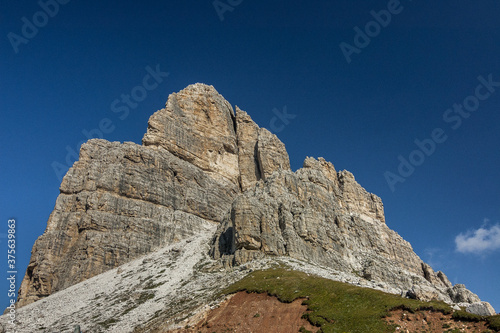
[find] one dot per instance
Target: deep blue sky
(264, 55)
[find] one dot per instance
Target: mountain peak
(205, 167)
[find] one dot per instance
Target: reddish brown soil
(427, 321)
(245, 312)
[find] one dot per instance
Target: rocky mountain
(206, 168)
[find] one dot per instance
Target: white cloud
(478, 241)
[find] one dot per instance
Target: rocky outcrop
(271, 154)
(197, 125)
(203, 166)
(120, 201)
(480, 308)
(323, 216)
(260, 153)
(459, 294)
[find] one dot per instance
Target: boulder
(481, 308)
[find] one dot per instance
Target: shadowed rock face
(260, 152)
(201, 162)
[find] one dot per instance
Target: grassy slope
(335, 306)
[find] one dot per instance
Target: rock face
(325, 217)
(197, 125)
(481, 308)
(202, 163)
(260, 152)
(120, 201)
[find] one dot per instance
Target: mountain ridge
(203, 162)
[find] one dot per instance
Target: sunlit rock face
(323, 216)
(123, 200)
(203, 163)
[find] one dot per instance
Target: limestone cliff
(323, 216)
(120, 201)
(204, 163)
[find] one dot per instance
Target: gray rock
(424, 293)
(119, 201)
(247, 136)
(319, 215)
(481, 308)
(459, 294)
(197, 125)
(260, 152)
(437, 279)
(271, 154)
(203, 164)
(444, 279)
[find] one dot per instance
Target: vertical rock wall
(121, 201)
(201, 163)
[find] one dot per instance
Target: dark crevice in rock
(258, 168)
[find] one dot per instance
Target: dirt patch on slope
(244, 312)
(428, 321)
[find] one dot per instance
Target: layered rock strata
(326, 217)
(120, 201)
(203, 162)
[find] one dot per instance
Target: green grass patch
(494, 323)
(466, 316)
(333, 306)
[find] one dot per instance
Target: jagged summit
(204, 163)
(120, 201)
